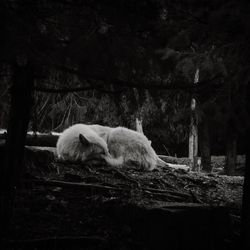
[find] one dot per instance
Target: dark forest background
(132, 59)
(110, 62)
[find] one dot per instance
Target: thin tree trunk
(245, 218)
(231, 154)
(138, 125)
(193, 138)
(205, 146)
(193, 134)
(191, 141)
(231, 141)
(21, 102)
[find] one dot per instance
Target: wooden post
(138, 124)
(138, 119)
(193, 134)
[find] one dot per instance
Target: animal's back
(133, 146)
(102, 131)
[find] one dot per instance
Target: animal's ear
(84, 141)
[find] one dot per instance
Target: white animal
(132, 146)
(118, 146)
(80, 143)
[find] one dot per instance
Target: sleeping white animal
(117, 146)
(80, 143)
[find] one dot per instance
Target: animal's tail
(163, 164)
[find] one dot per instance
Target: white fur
(132, 146)
(70, 148)
(102, 131)
(121, 145)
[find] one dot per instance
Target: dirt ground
(68, 206)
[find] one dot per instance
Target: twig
(82, 186)
(195, 197)
(57, 242)
(123, 176)
(176, 193)
(165, 196)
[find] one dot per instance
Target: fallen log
(36, 139)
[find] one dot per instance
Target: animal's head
(95, 149)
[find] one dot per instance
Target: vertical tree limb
(245, 218)
(205, 145)
(19, 115)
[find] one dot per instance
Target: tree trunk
(138, 125)
(193, 134)
(205, 146)
(193, 139)
(21, 102)
(245, 219)
(231, 140)
(231, 154)
(41, 140)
